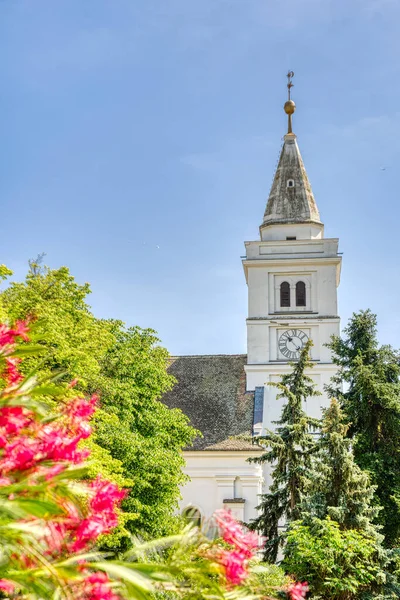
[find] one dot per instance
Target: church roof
(211, 391)
(291, 199)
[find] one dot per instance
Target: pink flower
(245, 544)
(57, 444)
(102, 517)
(21, 330)
(12, 375)
(7, 336)
(90, 529)
(80, 408)
(298, 591)
(235, 566)
(96, 586)
(7, 586)
(233, 533)
(106, 497)
(19, 454)
(14, 418)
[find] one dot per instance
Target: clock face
(291, 343)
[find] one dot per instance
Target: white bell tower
(292, 274)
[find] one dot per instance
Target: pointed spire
(291, 199)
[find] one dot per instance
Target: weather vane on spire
(289, 106)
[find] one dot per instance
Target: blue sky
(139, 141)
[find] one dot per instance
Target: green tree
(339, 488)
(371, 401)
(4, 273)
(289, 452)
(137, 439)
(74, 339)
(150, 436)
(339, 497)
(337, 564)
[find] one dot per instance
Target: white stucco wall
(219, 475)
(299, 230)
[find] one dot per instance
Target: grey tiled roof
(233, 443)
(211, 391)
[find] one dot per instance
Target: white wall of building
(216, 476)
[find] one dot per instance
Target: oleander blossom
(41, 449)
(96, 586)
(298, 591)
(7, 586)
(244, 544)
(8, 336)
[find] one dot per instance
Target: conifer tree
(371, 401)
(289, 450)
(335, 540)
(339, 488)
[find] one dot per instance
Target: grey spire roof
(291, 199)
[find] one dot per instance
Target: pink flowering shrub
(298, 591)
(39, 462)
(244, 545)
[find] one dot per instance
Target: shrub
(337, 564)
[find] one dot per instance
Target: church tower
(292, 273)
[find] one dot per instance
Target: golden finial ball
(289, 107)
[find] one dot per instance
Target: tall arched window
(285, 294)
(192, 515)
(300, 293)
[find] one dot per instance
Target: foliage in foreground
(137, 440)
(290, 449)
(51, 518)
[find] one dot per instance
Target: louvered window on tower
(300, 293)
(285, 294)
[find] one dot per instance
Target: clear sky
(139, 140)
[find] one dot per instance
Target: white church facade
(292, 273)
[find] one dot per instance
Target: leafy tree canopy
(137, 439)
